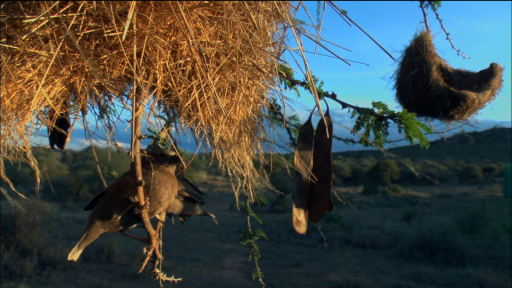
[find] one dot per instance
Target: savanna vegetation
(450, 227)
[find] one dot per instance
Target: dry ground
(429, 237)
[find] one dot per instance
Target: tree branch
(422, 3)
(448, 37)
(343, 104)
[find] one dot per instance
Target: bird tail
(84, 242)
(77, 250)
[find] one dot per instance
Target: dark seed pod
(303, 162)
(322, 171)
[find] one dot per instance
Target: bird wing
(190, 190)
(95, 201)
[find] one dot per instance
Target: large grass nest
(212, 64)
(428, 86)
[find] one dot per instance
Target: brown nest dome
(428, 86)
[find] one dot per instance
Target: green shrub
(471, 173)
(281, 181)
(491, 169)
(393, 190)
(435, 171)
(358, 175)
(384, 172)
(27, 247)
(337, 181)
(371, 189)
(406, 174)
(342, 170)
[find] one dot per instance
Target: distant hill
(493, 145)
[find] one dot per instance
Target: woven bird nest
(213, 63)
(428, 86)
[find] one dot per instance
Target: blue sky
(482, 30)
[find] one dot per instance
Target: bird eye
(162, 155)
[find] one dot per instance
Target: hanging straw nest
(428, 86)
(213, 63)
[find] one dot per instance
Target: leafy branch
(249, 237)
(375, 120)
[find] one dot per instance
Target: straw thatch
(213, 63)
(428, 86)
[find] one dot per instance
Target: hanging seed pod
(302, 162)
(322, 170)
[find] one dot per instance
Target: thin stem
(424, 15)
(252, 244)
(343, 104)
(448, 37)
(375, 41)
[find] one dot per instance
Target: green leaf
(256, 217)
(260, 199)
(260, 232)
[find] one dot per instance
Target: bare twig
(95, 156)
(346, 16)
(323, 236)
(448, 36)
(143, 204)
(424, 15)
(12, 201)
(48, 177)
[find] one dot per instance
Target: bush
(358, 175)
(384, 172)
(435, 171)
(491, 169)
(371, 189)
(393, 190)
(342, 170)
(27, 247)
(281, 181)
(406, 175)
(471, 173)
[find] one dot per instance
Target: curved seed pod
(322, 170)
(302, 162)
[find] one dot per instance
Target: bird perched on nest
(58, 135)
(114, 208)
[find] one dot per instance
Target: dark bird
(188, 202)
(114, 208)
(58, 135)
